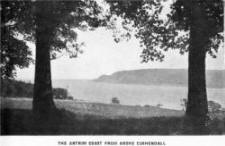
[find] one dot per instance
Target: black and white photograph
(112, 68)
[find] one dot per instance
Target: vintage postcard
(112, 72)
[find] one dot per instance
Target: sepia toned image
(112, 67)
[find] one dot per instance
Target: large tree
(193, 26)
(204, 21)
(51, 26)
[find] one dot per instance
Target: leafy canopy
(19, 21)
(14, 51)
(165, 24)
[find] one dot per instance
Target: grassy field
(18, 119)
(22, 122)
(99, 109)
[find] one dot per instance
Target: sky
(102, 56)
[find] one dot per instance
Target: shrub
(115, 100)
(18, 89)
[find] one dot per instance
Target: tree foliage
(14, 51)
(182, 16)
(162, 24)
(19, 22)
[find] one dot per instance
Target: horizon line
(31, 79)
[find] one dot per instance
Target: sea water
(133, 94)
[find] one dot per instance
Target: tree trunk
(197, 108)
(43, 98)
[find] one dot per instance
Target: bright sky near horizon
(103, 56)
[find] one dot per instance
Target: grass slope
(97, 109)
(18, 119)
(23, 122)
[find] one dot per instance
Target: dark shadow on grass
(23, 122)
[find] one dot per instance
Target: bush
(214, 106)
(60, 93)
(115, 100)
(18, 89)
(13, 88)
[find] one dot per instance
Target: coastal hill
(171, 77)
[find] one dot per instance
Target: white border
(61, 140)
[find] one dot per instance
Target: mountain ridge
(172, 77)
